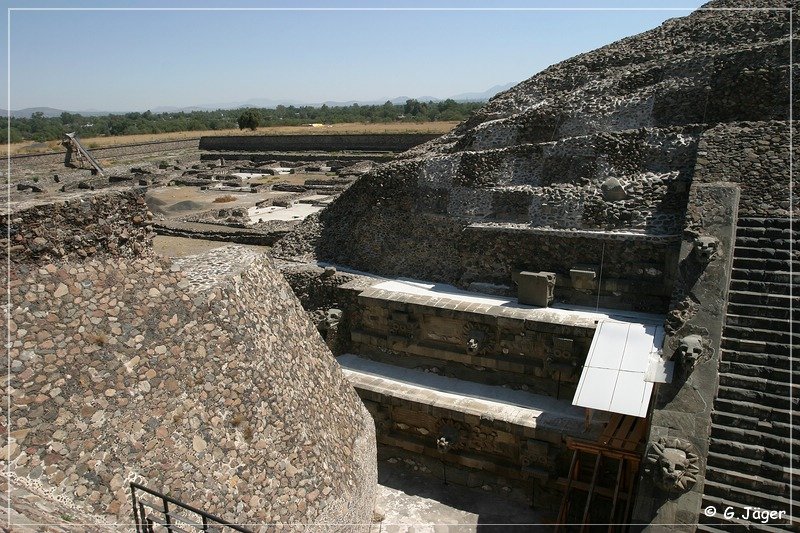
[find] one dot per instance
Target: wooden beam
(590, 492)
(616, 495)
(562, 513)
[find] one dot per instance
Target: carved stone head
(673, 464)
(689, 351)
(479, 337)
(706, 248)
(332, 317)
(475, 342)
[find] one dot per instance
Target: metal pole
(167, 523)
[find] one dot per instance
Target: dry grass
(30, 147)
(223, 199)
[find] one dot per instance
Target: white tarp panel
(613, 377)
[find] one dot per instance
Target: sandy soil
(181, 246)
(32, 147)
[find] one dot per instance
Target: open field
(31, 147)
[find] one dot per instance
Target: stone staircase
(752, 445)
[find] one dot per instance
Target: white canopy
(614, 375)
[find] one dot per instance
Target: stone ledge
(517, 408)
(574, 233)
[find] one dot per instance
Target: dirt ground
(181, 246)
(180, 201)
(32, 147)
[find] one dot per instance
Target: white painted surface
(273, 212)
(513, 406)
(558, 310)
(613, 377)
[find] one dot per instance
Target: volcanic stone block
(535, 288)
(583, 277)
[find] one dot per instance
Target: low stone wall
(510, 349)
(110, 222)
(379, 142)
(262, 157)
(202, 378)
(215, 232)
(101, 153)
(388, 242)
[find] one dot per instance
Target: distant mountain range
(270, 103)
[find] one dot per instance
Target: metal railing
(152, 513)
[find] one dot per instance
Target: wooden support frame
(622, 441)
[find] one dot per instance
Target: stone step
(764, 335)
(764, 299)
(736, 523)
(763, 242)
(743, 285)
(752, 451)
(758, 398)
(758, 322)
(762, 253)
(770, 232)
(733, 420)
(459, 399)
(759, 370)
(747, 481)
(758, 352)
(748, 408)
(767, 276)
(765, 264)
(737, 496)
(756, 437)
(779, 473)
(781, 313)
(779, 388)
(743, 223)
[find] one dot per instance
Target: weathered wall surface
(606, 141)
(115, 223)
(392, 142)
(391, 238)
(754, 155)
(202, 378)
(682, 409)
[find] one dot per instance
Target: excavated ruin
(651, 175)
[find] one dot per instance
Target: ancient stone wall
(483, 344)
(681, 412)
(202, 378)
(754, 155)
(393, 142)
(83, 225)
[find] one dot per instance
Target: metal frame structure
(150, 517)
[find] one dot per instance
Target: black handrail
(145, 523)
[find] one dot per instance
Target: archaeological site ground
(576, 311)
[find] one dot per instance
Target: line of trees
(41, 128)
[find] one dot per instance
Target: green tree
(249, 119)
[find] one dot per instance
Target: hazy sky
(136, 60)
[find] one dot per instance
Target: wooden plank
(611, 428)
(621, 434)
(616, 496)
(595, 448)
(631, 482)
(637, 434)
(562, 513)
(590, 493)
